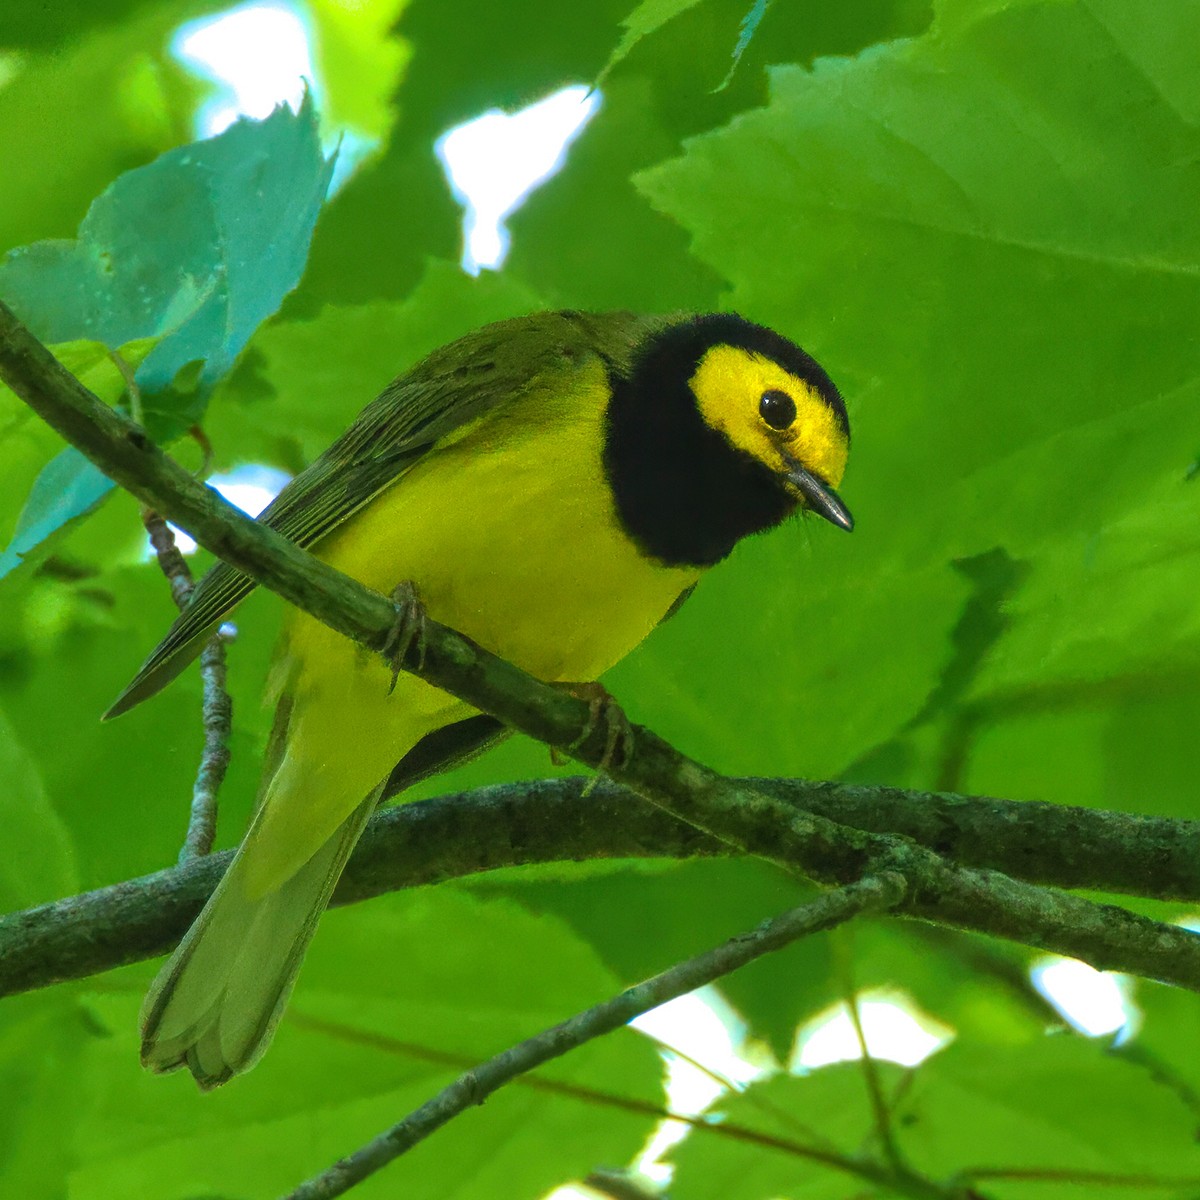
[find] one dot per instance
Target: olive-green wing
(450, 389)
(443, 749)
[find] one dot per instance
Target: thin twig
(879, 1105)
(1164, 1072)
(197, 434)
(217, 715)
(216, 706)
(475, 1086)
(170, 559)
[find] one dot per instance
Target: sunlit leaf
(643, 21)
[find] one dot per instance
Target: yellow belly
(510, 536)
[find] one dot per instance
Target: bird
(553, 486)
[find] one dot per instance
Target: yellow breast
(511, 536)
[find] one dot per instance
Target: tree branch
(474, 1086)
(745, 819)
(519, 824)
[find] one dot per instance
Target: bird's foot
(618, 732)
(407, 632)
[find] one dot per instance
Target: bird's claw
(407, 632)
(618, 732)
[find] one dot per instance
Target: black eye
(778, 409)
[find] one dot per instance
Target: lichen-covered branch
(550, 820)
(744, 818)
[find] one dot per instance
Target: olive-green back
(452, 387)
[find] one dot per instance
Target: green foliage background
(981, 218)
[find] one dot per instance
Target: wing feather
(450, 389)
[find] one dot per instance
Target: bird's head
(773, 402)
(722, 428)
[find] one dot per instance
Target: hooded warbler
(552, 486)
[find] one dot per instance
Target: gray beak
(819, 497)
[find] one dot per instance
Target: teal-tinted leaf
(746, 32)
(69, 487)
(197, 248)
(194, 250)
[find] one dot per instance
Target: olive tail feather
(218, 592)
(215, 1004)
(158, 670)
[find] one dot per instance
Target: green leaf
(978, 986)
(73, 634)
(390, 219)
(965, 1108)
(640, 921)
(26, 25)
(1170, 1018)
(1059, 1104)
(1017, 352)
(45, 868)
(93, 97)
(642, 22)
(986, 231)
(397, 998)
(360, 61)
(662, 92)
(296, 395)
(43, 1044)
(795, 1124)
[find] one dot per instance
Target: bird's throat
(683, 493)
